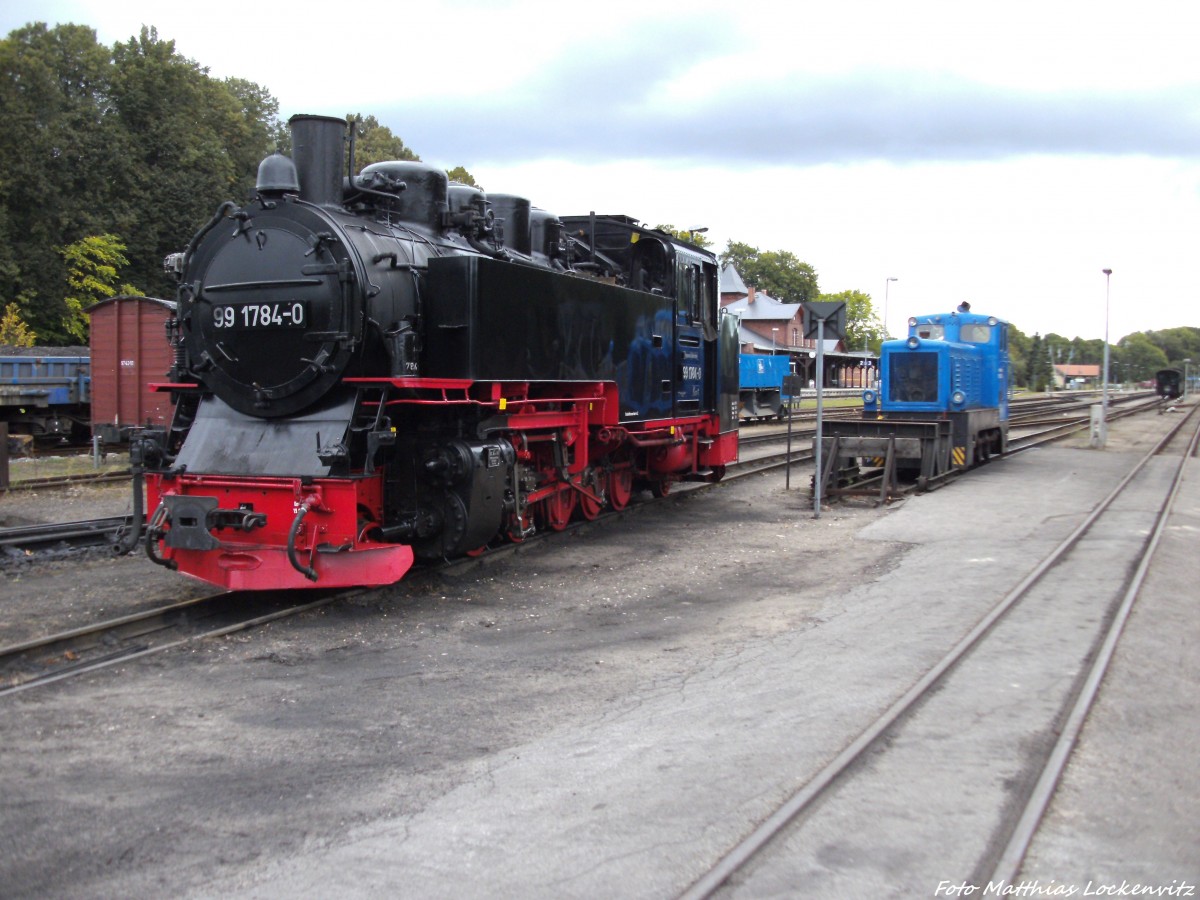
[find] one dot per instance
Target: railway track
(107, 643)
(29, 539)
(67, 654)
(1031, 665)
(112, 642)
(1045, 430)
(63, 481)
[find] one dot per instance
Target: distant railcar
(131, 349)
(44, 396)
(760, 394)
(1168, 383)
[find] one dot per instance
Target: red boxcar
(130, 349)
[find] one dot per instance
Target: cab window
(930, 332)
(689, 292)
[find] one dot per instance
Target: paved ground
(595, 718)
(1128, 810)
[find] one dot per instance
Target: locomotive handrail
(216, 220)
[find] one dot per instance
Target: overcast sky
(1001, 153)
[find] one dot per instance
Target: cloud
(640, 112)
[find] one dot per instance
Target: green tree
(1088, 351)
(133, 141)
(10, 270)
(13, 330)
(1038, 373)
(1140, 357)
(863, 327)
(376, 143)
(258, 111)
(692, 236)
(93, 272)
(1058, 349)
(193, 142)
(462, 176)
(58, 148)
(778, 272)
(1018, 353)
(1177, 343)
(1035, 349)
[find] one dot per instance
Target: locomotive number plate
(293, 314)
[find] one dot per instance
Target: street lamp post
(1100, 416)
(1104, 392)
(1186, 363)
(692, 232)
(887, 284)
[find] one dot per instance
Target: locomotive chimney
(318, 148)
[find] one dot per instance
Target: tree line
(1136, 357)
(111, 157)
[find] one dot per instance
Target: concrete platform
(621, 807)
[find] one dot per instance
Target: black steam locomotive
(376, 368)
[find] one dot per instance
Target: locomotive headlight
(173, 264)
(914, 342)
(912, 320)
(868, 398)
(958, 398)
(993, 321)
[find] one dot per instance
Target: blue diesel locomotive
(942, 404)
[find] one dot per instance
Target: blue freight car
(760, 394)
(45, 398)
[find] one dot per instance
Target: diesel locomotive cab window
(931, 332)
(976, 334)
(913, 377)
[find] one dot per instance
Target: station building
(770, 326)
(1076, 377)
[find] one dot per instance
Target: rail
(878, 737)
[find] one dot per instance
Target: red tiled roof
(1078, 371)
